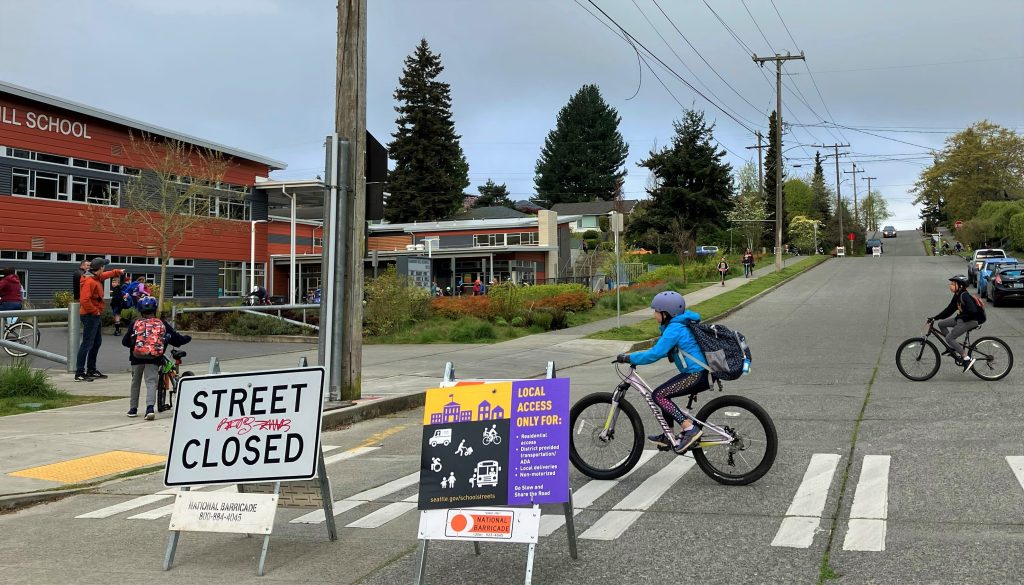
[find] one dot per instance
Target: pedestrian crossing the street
(802, 526)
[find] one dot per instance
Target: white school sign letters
(247, 427)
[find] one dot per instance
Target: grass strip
(13, 404)
(715, 306)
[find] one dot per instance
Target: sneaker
(150, 415)
(83, 378)
(133, 412)
(687, 439)
(969, 363)
(96, 374)
(661, 441)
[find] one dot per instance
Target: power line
(747, 49)
(754, 20)
(938, 63)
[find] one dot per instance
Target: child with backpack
(970, 313)
(147, 338)
(671, 314)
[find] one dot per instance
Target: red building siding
(303, 233)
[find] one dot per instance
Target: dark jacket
(76, 285)
(966, 308)
(171, 338)
(117, 296)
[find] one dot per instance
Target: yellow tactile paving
(91, 467)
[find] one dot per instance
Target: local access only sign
(495, 444)
(247, 427)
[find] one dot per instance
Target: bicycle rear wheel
(607, 457)
(917, 359)
(752, 451)
(23, 333)
(994, 358)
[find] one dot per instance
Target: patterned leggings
(678, 385)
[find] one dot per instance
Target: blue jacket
(675, 334)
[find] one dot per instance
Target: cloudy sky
(898, 75)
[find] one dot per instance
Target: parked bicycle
(918, 358)
(738, 446)
(21, 332)
(167, 383)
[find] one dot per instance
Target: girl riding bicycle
(671, 314)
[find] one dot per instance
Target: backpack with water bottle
(726, 353)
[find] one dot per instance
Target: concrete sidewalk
(394, 377)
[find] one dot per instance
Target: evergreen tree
(771, 159)
(583, 157)
(492, 194)
(694, 186)
(822, 203)
(430, 168)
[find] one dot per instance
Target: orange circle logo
(459, 523)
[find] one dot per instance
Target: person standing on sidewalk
(147, 338)
(723, 267)
(10, 291)
(116, 302)
(748, 264)
(91, 314)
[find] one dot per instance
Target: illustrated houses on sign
(451, 413)
(485, 412)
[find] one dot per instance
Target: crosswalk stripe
(870, 506)
(1017, 466)
(630, 508)
(130, 504)
(804, 515)
(341, 506)
(385, 514)
(355, 452)
(586, 495)
(166, 510)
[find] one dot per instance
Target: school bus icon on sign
(486, 473)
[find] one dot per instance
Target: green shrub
(542, 319)
(507, 299)
(606, 246)
(392, 301)
(591, 235)
(62, 298)
(429, 336)
(543, 291)
(518, 321)
(248, 324)
(470, 330)
(18, 379)
(500, 322)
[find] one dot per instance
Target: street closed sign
(247, 427)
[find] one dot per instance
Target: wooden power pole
(778, 147)
(839, 197)
(350, 125)
(760, 164)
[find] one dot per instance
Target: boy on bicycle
(671, 314)
(969, 315)
(147, 337)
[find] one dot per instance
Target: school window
(183, 262)
(13, 255)
(40, 256)
(141, 260)
(61, 187)
(67, 161)
(232, 208)
(183, 285)
(260, 274)
(229, 279)
(489, 240)
(65, 257)
(149, 276)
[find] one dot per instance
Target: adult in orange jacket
(90, 312)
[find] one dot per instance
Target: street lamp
(252, 253)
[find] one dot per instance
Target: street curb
(649, 343)
(219, 336)
(14, 501)
(333, 419)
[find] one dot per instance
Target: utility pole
(856, 215)
(839, 199)
(778, 147)
(760, 165)
(870, 218)
(350, 125)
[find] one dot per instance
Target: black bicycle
(918, 358)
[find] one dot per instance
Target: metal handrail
(175, 311)
(74, 334)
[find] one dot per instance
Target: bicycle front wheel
(994, 358)
(610, 456)
(752, 451)
(23, 333)
(918, 359)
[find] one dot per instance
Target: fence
(74, 335)
(260, 310)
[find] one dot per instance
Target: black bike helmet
(960, 279)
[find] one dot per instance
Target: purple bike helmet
(669, 302)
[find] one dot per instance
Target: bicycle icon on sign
(491, 436)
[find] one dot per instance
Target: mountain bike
(21, 332)
(738, 446)
(167, 383)
(918, 359)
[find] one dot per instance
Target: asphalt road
(922, 468)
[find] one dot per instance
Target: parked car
(888, 232)
(707, 250)
(1008, 283)
(988, 267)
(975, 261)
(872, 243)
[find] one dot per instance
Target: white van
(441, 437)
